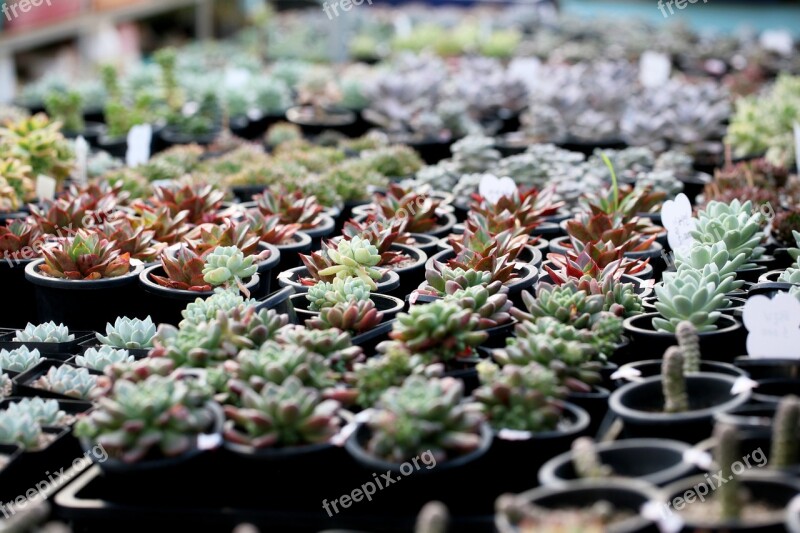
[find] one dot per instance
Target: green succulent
(702, 254)
(790, 275)
(129, 333)
(100, 358)
(334, 345)
(69, 381)
(784, 446)
(48, 332)
(5, 384)
(523, 398)
(566, 303)
(159, 415)
(688, 294)
(274, 362)
(390, 369)
(19, 360)
(223, 299)
(586, 461)
(355, 258)
(22, 431)
(227, 264)
(673, 381)
(282, 415)
(490, 303)
(735, 224)
(727, 453)
(43, 412)
(393, 161)
(353, 316)
(323, 294)
(621, 299)
(439, 331)
(447, 280)
(424, 415)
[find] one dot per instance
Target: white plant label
(779, 41)
(139, 139)
(493, 188)
(236, 78)
(45, 187)
(773, 326)
(797, 146)
(676, 216)
(81, 160)
(654, 69)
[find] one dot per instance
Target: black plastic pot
(431, 151)
(695, 183)
(775, 490)
(755, 450)
(336, 119)
(769, 368)
(91, 132)
(587, 147)
(793, 515)
(165, 304)
(290, 255)
(71, 407)
(267, 270)
(751, 274)
(59, 351)
(325, 228)
(768, 284)
(388, 283)
(723, 344)
(84, 304)
(118, 146)
(19, 294)
(640, 406)
(652, 368)
(24, 382)
(412, 274)
(594, 402)
(170, 136)
(92, 342)
(655, 461)
(773, 390)
(623, 494)
(425, 243)
(31, 467)
(753, 418)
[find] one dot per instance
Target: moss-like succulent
(424, 415)
(43, 412)
(100, 358)
(390, 369)
(69, 381)
(19, 360)
(522, 398)
(282, 415)
(129, 333)
(158, 416)
(393, 161)
(47, 332)
(334, 345)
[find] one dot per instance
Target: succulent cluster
(100, 358)
(47, 332)
(69, 381)
(86, 256)
(274, 362)
(227, 266)
(19, 359)
(356, 258)
(352, 316)
(184, 270)
(443, 280)
(489, 302)
(323, 294)
(20, 430)
(738, 225)
(381, 233)
(566, 303)
(223, 300)
(43, 412)
(129, 333)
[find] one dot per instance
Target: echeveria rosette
(443, 279)
(102, 357)
(156, 416)
(490, 303)
(737, 224)
(129, 333)
(702, 254)
(354, 258)
(43, 412)
(324, 294)
(70, 381)
(206, 309)
(566, 303)
(275, 362)
(692, 295)
(19, 359)
(47, 332)
(22, 431)
(226, 265)
(86, 256)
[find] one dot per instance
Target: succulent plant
(501, 268)
(377, 374)
(353, 179)
(282, 132)
(674, 382)
(324, 295)
(689, 343)
(526, 208)
(227, 265)
(86, 256)
(37, 143)
(18, 236)
(223, 299)
(393, 161)
(736, 224)
(586, 460)
(566, 303)
(621, 298)
(439, 331)
(156, 416)
(47, 332)
(783, 227)
(42, 412)
(701, 254)
(67, 109)
(129, 333)
(184, 269)
(784, 451)
(66, 215)
(417, 208)
(166, 227)
(381, 233)
(100, 358)
(443, 280)
(424, 415)
(489, 302)
(275, 362)
(69, 381)
(200, 200)
(282, 415)
(17, 186)
(19, 360)
(136, 242)
(527, 517)
(474, 154)
(206, 238)
(688, 294)
(270, 229)
(22, 431)
(727, 453)
(353, 316)
(523, 398)
(334, 345)
(352, 258)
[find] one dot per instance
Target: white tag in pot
(676, 216)
(773, 326)
(81, 160)
(45, 187)
(493, 188)
(139, 139)
(654, 68)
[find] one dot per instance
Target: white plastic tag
(698, 458)
(676, 216)
(628, 373)
(493, 188)
(139, 138)
(654, 69)
(81, 160)
(773, 326)
(778, 41)
(45, 187)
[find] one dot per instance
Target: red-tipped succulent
(184, 269)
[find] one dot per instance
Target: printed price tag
(81, 160)
(139, 139)
(493, 188)
(45, 187)
(676, 216)
(654, 69)
(773, 326)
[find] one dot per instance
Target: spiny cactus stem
(784, 433)
(674, 382)
(690, 345)
(727, 453)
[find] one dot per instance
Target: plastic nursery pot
(24, 384)
(431, 150)
(655, 461)
(446, 481)
(652, 367)
(84, 304)
(18, 293)
(267, 269)
(388, 283)
(445, 221)
(760, 368)
(312, 123)
(751, 274)
(368, 341)
(258, 122)
(290, 255)
(694, 184)
(59, 351)
(326, 227)
(755, 418)
(514, 459)
(389, 305)
(30, 467)
(754, 449)
(412, 272)
(722, 344)
(92, 342)
(9, 453)
(425, 243)
(595, 403)
(499, 334)
(773, 390)
(641, 407)
(626, 495)
(165, 304)
(588, 147)
(170, 136)
(91, 132)
(764, 489)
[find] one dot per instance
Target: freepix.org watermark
(13, 9)
(369, 489)
(330, 7)
(663, 6)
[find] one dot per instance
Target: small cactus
(586, 460)
(433, 518)
(19, 360)
(690, 346)
(48, 332)
(100, 358)
(727, 453)
(674, 382)
(784, 433)
(5, 385)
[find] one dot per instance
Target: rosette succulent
(353, 316)
(694, 295)
(566, 303)
(19, 360)
(275, 362)
(47, 332)
(184, 270)
(354, 258)
(223, 299)
(736, 224)
(22, 431)
(489, 302)
(69, 381)
(324, 294)
(334, 345)
(226, 265)
(100, 358)
(129, 333)
(85, 256)
(43, 412)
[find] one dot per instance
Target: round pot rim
(180, 294)
(301, 240)
(578, 425)
(33, 275)
(628, 413)
(628, 325)
(294, 114)
(730, 366)
(547, 473)
(273, 259)
(391, 282)
(396, 308)
(325, 227)
(273, 454)
(421, 257)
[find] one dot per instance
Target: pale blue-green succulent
(736, 224)
(22, 431)
(69, 381)
(19, 360)
(324, 294)
(693, 295)
(225, 300)
(702, 254)
(356, 257)
(100, 358)
(44, 412)
(227, 264)
(48, 332)
(129, 333)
